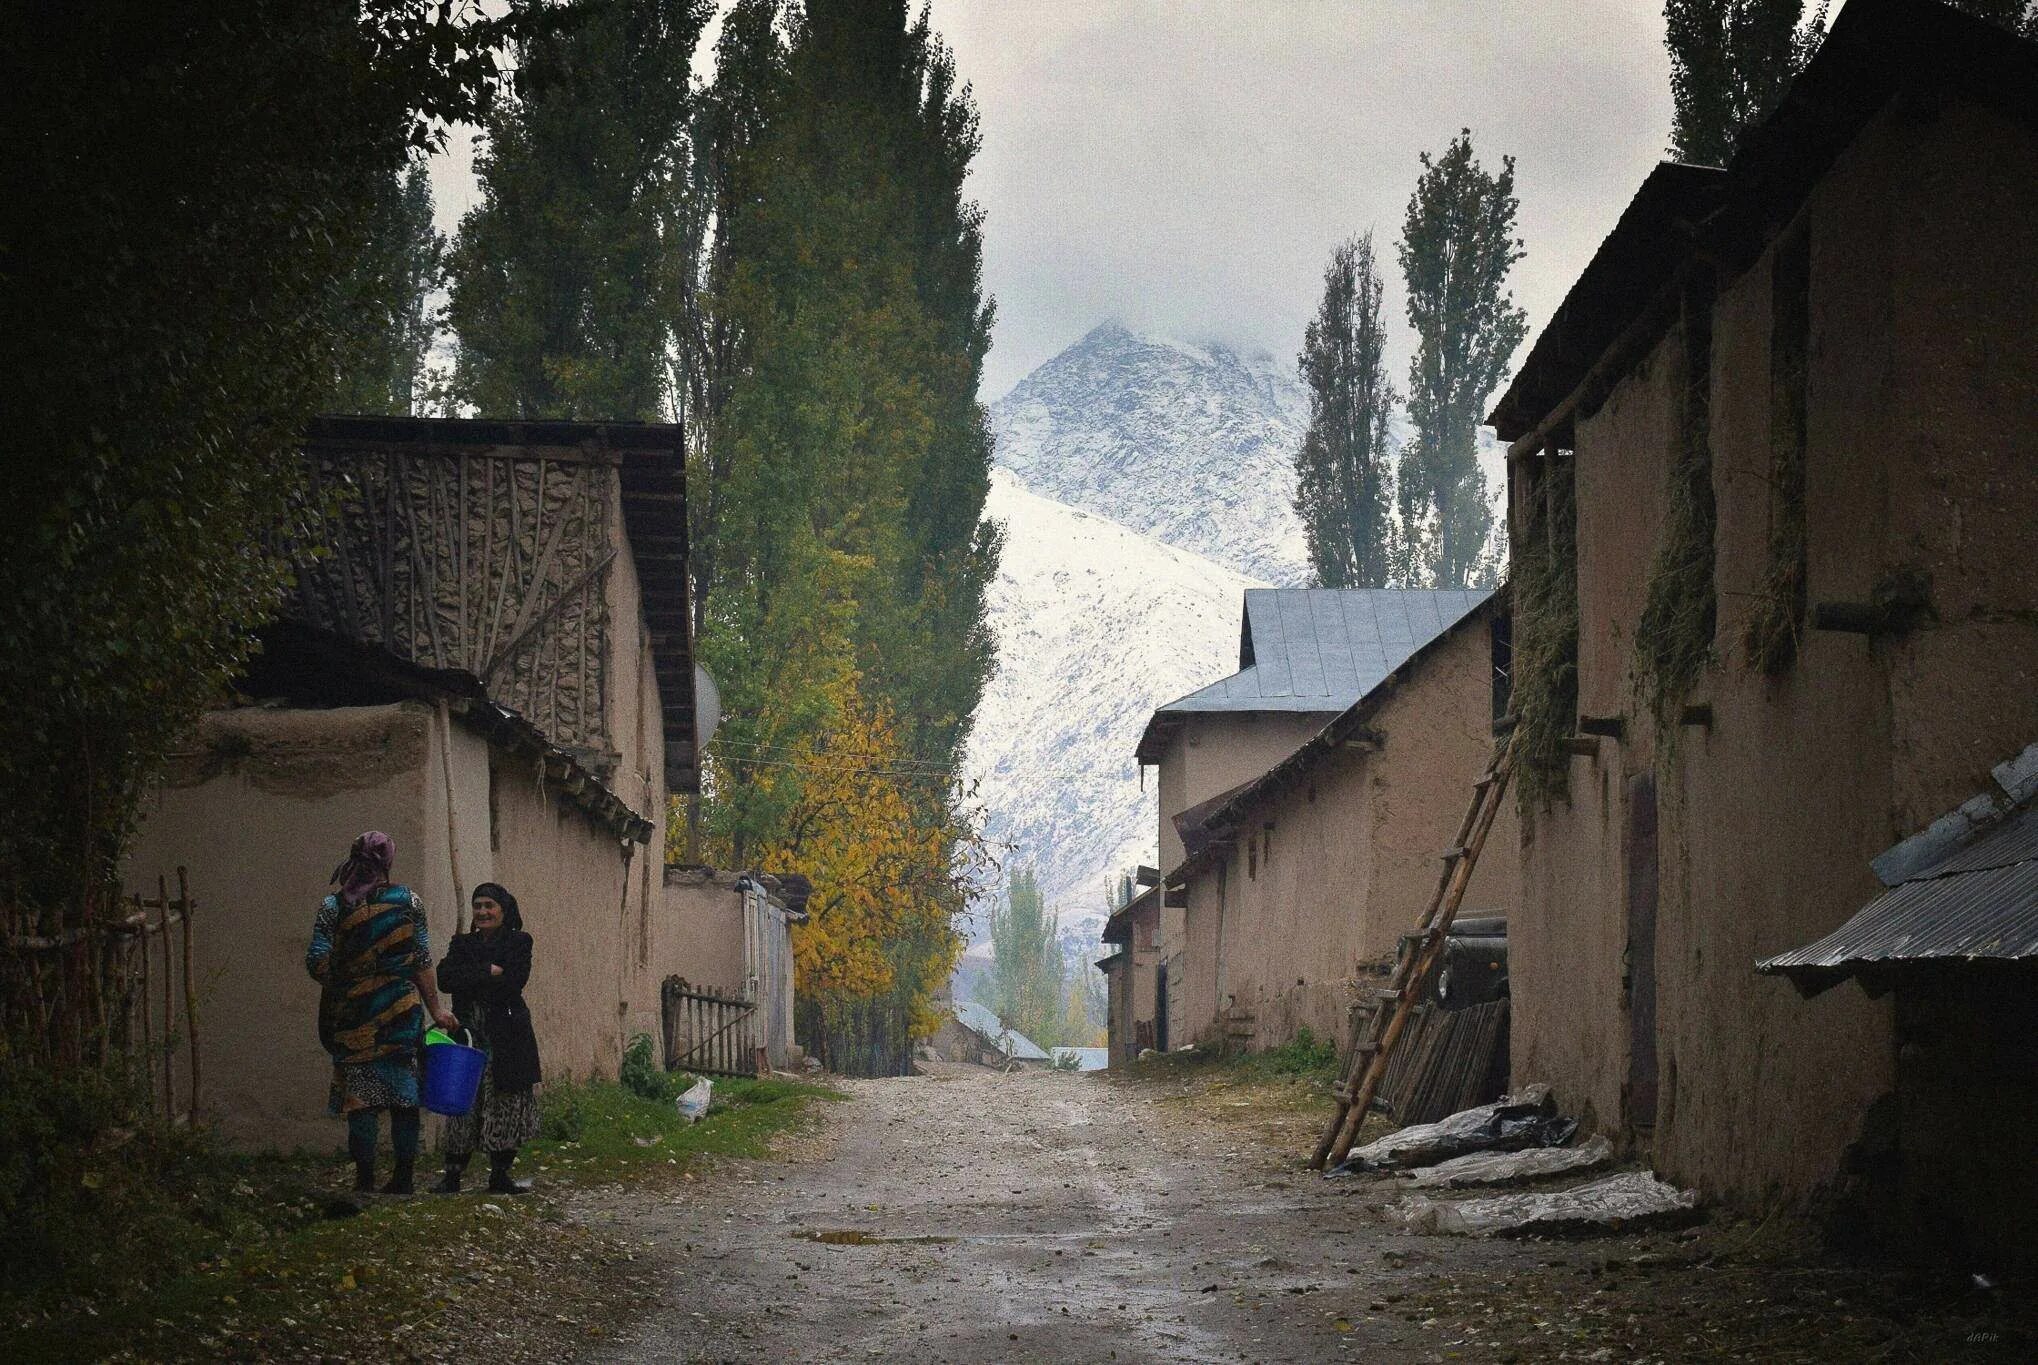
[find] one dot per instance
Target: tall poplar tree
(832, 333)
(562, 275)
(1343, 481)
(387, 303)
(840, 339)
(1730, 62)
(1457, 247)
(1026, 961)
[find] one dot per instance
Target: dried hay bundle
(1545, 691)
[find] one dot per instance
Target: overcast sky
(1186, 166)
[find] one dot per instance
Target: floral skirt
(500, 1121)
(391, 1083)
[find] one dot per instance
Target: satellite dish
(707, 706)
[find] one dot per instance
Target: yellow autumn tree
(894, 855)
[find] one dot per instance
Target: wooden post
(169, 1021)
(452, 818)
(148, 1029)
(190, 994)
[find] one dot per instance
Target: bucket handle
(467, 1035)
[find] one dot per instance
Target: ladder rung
(1452, 855)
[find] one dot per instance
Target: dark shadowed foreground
(967, 1215)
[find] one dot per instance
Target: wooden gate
(706, 1031)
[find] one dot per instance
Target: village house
(973, 1033)
(490, 658)
(1770, 476)
(1298, 882)
(1307, 657)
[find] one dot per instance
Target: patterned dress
(371, 1020)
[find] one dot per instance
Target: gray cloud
(1186, 165)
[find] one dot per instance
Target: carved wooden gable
(486, 558)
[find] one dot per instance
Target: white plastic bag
(693, 1105)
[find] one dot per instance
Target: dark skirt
(500, 1121)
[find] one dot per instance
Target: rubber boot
(364, 1176)
(400, 1178)
(499, 1181)
(449, 1183)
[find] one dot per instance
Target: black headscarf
(512, 918)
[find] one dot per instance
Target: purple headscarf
(366, 868)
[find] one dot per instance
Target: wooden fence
(108, 988)
(706, 1031)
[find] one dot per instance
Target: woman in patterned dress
(485, 969)
(372, 958)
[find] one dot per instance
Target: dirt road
(969, 1216)
(972, 1216)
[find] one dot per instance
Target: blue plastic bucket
(452, 1073)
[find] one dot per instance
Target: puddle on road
(852, 1237)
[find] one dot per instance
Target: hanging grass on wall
(1545, 685)
(1776, 625)
(1674, 638)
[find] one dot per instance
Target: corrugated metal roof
(986, 1022)
(1977, 900)
(1320, 649)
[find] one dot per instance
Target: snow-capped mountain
(1096, 625)
(1192, 444)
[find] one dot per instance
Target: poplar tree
(1730, 62)
(172, 288)
(1344, 484)
(837, 336)
(1457, 247)
(1026, 973)
(381, 365)
(562, 274)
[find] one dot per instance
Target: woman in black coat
(485, 970)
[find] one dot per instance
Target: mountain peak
(1191, 443)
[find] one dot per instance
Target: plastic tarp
(1627, 1202)
(1509, 1124)
(1500, 1168)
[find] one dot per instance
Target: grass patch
(1305, 1056)
(235, 1256)
(603, 1131)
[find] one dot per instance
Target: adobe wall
(700, 934)
(1329, 874)
(260, 805)
(1922, 410)
(1214, 753)
(638, 725)
(1568, 947)
(571, 881)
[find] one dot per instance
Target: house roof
(1011, 1042)
(1220, 823)
(1876, 49)
(1314, 651)
(315, 666)
(1637, 259)
(650, 458)
(1963, 890)
(1118, 928)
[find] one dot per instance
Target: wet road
(973, 1216)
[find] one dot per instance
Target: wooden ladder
(1372, 1037)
